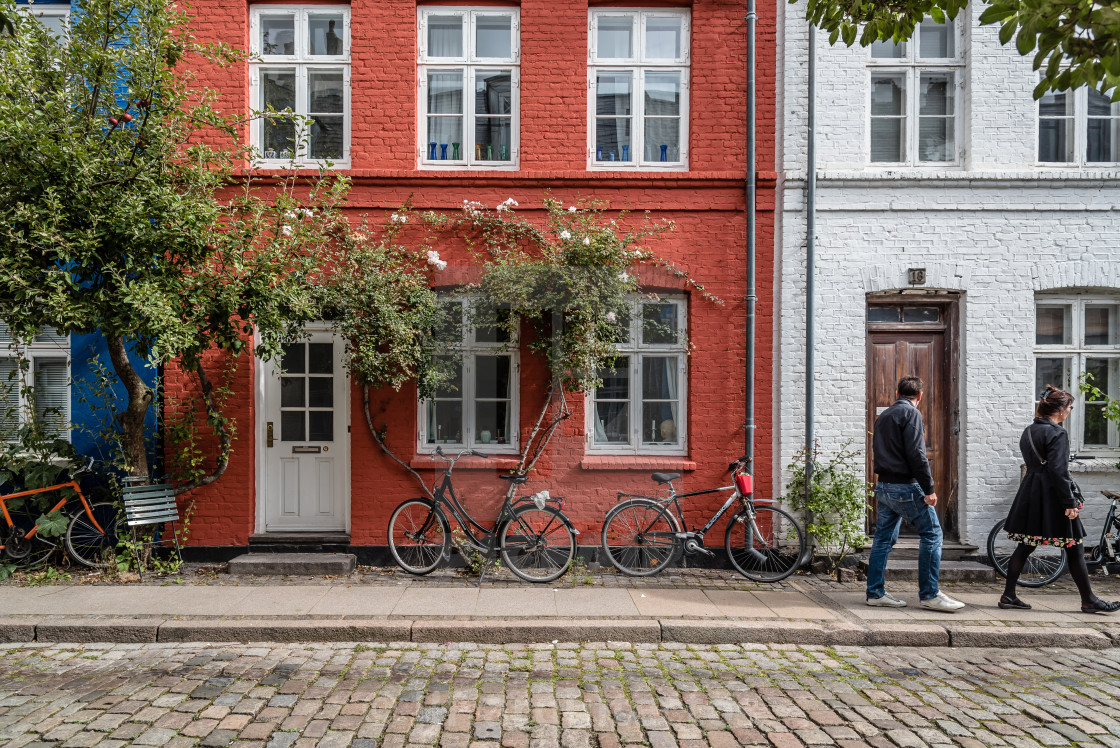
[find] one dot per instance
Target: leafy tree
(126, 207)
(1075, 42)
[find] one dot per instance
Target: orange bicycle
(91, 531)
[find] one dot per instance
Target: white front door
(303, 437)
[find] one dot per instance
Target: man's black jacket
(899, 446)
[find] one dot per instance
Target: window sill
(636, 462)
(503, 462)
(1102, 464)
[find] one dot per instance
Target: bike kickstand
(486, 565)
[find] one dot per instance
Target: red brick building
(641, 105)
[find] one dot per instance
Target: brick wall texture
(707, 203)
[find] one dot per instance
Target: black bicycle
(642, 535)
(532, 535)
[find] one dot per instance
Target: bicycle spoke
(639, 537)
(417, 537)
(537, 555)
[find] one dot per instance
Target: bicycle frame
(1107, 552)
(71, 484)
(469, 524)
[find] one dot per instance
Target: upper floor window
(915, 97)
(56, 18)
(637, 75)
(477, 407)
(42, 391)
(469, 82)
(301, 66)
(640, 408)
(1078, 127)
(1075, 335)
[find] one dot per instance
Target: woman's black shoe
(1012, 603)
(1100, 606)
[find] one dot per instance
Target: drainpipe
(810, 271)
(751, 200)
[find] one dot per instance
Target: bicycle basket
(745, 483)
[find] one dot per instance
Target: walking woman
(1045, 511)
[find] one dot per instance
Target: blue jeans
(897, 502)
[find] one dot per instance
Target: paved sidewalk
(803, 610)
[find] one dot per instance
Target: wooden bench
(151, 505)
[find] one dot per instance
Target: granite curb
(108, 629)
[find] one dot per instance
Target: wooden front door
(915, 338)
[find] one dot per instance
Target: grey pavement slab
(363, 600)
(278, 600)
(794, 605)
(739, 604)
(534, 601)
(692, 603)
(589, 602)
(437, 601)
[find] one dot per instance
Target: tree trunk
(132, 417)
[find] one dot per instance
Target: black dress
(1037, 516)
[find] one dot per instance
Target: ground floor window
(38, 391)
(1076, 335)
(640, 407)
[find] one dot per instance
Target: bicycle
(642, 535)
(90, 531)
(531, 534)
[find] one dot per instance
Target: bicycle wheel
(1046, 564)
(85, 543)
(538, 545)
(767, 548)
(36, 551)
(418, 536)
(640, 537)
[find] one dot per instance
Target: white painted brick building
(995, 230)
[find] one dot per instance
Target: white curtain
(445, 36)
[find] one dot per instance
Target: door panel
(305, 450)
(896, 353)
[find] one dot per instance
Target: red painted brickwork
(707, 203)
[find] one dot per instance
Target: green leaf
(52, 525)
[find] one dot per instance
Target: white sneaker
(886, 601)
(942, 602)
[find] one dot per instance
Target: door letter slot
(301, 450)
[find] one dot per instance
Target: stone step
(904, 569)
(337, 564)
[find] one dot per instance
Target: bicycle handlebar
(741, 461)
(452, 460)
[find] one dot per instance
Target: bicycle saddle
(1111, 494)
(664, 477)
(515, 478)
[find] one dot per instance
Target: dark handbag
(1073, 487)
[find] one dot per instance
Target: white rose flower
(286, 230)
(565, 234)
(612, 317)
(571, 209)
(587, 241)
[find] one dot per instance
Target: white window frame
(302, 62)
(1076, 353)
(34, 352)
(638, 66)
(468, 348)
(636, 349)
(470, 64)
(911, 67)
(1080, 134)
(51, 11)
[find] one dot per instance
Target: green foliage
(1110, 408)
(1075, 42)
(836, 499)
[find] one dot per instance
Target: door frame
(950, 303)
(260, 511)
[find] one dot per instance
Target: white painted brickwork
(998, 229)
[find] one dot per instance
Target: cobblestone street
(567, 695)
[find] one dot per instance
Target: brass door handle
(269, 434)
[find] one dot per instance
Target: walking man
(905, 492)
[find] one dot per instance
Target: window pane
(659, 378)
(921, 314)
(887, 50)
(445, 421)
(449, 329)
(493, 92)
(659, 421)
(612, 422)
(320, 392)
(445, 135)
(292, 392)
(326, 137)
(9, 398)
(278, 92)
(887, 119)
(491, 378)
(663, 94)
(324, 32)
(52, 335)
(56, 24)
(616, 381)
(278, 35)
(452, 387)
(52, 395)
(883, 314)
(493, 139)
(612, 93)
(320, 425)
(1052, 325)
(445, 36)
(1103, 144)
(1100, 325)
(320, 358)
(616, 38)
(490, 326)
(445, 92)
(292, 426)
(493, 36)
(663, 38)
(935, 40)
(612, 139)
(1053, 371)
(1103, 373)
(493, 95)
(659, 323)
(1055, 141)
(292, 359)
(491, 422)
(935, 125)
(663, 139)
(325, 91)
